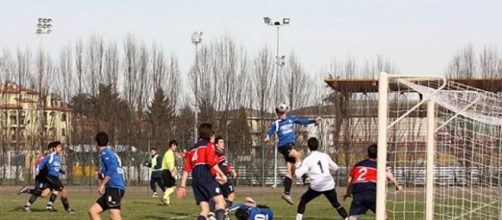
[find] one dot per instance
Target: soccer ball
(282, 108)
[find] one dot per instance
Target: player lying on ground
(285, 130)
(249, 210)
(317, 166)
(199, 161)
(362, 184)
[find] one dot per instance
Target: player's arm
(212, 161)
(393, 179)
(332, 165)
(304, 168)
(41, 165)
(303, 121)
(271, 131)
(186, 170)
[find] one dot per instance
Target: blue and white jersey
(255, 213)
(111, 165)
(285, 129)
(52, 163)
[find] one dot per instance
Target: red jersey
(39, 158)
(202, 153)
(224, 165)
(364, 175)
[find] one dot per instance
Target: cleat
(27, 208)
(211, 216)
(287, 198)
(155, 195)
(70, 211)
(22, 190)
(51, 208)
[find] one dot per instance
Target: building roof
(371, 85)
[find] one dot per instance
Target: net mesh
(468, 142)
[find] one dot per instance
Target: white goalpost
(443, 142)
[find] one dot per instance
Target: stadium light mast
(196, 40)
(44, 27)
(279, 61)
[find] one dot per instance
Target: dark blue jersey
(255, 213)
(111, 166)
(285, 129)
(364, 175)
(52, 163)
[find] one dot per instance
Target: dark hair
(205, 130)
(102, 139)
(313, 143)
(50, 145)
(53, 144)
(217, 138)
(172, 142)
(372, 151)
(241, 214)
(153, 148)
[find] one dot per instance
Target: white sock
(27, 203)
(299, 216)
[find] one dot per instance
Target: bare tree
(79, 66)
(111, 65)
(95, 60)
(463, 64)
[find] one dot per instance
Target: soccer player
(156, 176)
(317, 166)
(54, 168)
(249, 210)
(41, 188)
(285, 129)
(362, 184)
(112, 186)
(199, 160)
(227, 188)
(169, 171)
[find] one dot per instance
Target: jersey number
(320, 166)
(362, 174)
(194, 156)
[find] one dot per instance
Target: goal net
(444, 144)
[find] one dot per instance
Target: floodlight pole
(44, 26)
(196, 40)
(278, 62)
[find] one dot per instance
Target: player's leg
(52, 199)
(331, 196)
(95, 210)
(160, 183)
(306, 198)
(220, 206)
(357, 207)
(170, 184)
(204, 210)
(66, 203)
(115, 214)
(152, 185)
(297, 155)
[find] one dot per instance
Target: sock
(201, 217)
(52, 199)
(220, 214)
(287, 185)
(341, 211)
(299, 216)
(229, 203)
(32, 199)
(28, 204)
(66, 205)
(167, 194)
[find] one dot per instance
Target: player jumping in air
(285, 130)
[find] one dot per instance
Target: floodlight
(285, 21)
(267, 20)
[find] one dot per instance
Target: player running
(169, 171)
(156, 175)
(362, 184)
(285, 130)
(317, 166)
(112, 186)
(199, 160)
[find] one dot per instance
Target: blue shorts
(204, 185)
(362, 201)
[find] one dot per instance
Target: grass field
(137, 204)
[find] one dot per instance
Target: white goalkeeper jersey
(317, 166)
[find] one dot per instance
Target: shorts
(167, 179)
(285, 150)
(54, 183)
(227, 189)
(111, 199)
(362, 201)
(40, 184)
(204, 185)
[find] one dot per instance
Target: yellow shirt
(168, 160)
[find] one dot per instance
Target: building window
(21, 120)
(63, 117)
(13, 120)
(63, 132)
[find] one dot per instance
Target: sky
(419, 37)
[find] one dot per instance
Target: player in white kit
(317, 166)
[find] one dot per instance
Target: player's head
(101, 139)
(173, 144)
(205, 130)
(219, 142)
(242, 214)
(313, 144)
(372, 151)
(281, 110)
(58, 146)
(153, 150)
(50, 147)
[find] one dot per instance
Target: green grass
(137, 204)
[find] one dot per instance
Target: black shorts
(204, 185)
(54, 183)
(329, 194)
(40, 184)
(111, 199)
(167, 179)
(227, 188)
(285, 150)
(362, 201)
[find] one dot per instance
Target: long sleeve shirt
(111, 165)
(285, 129)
